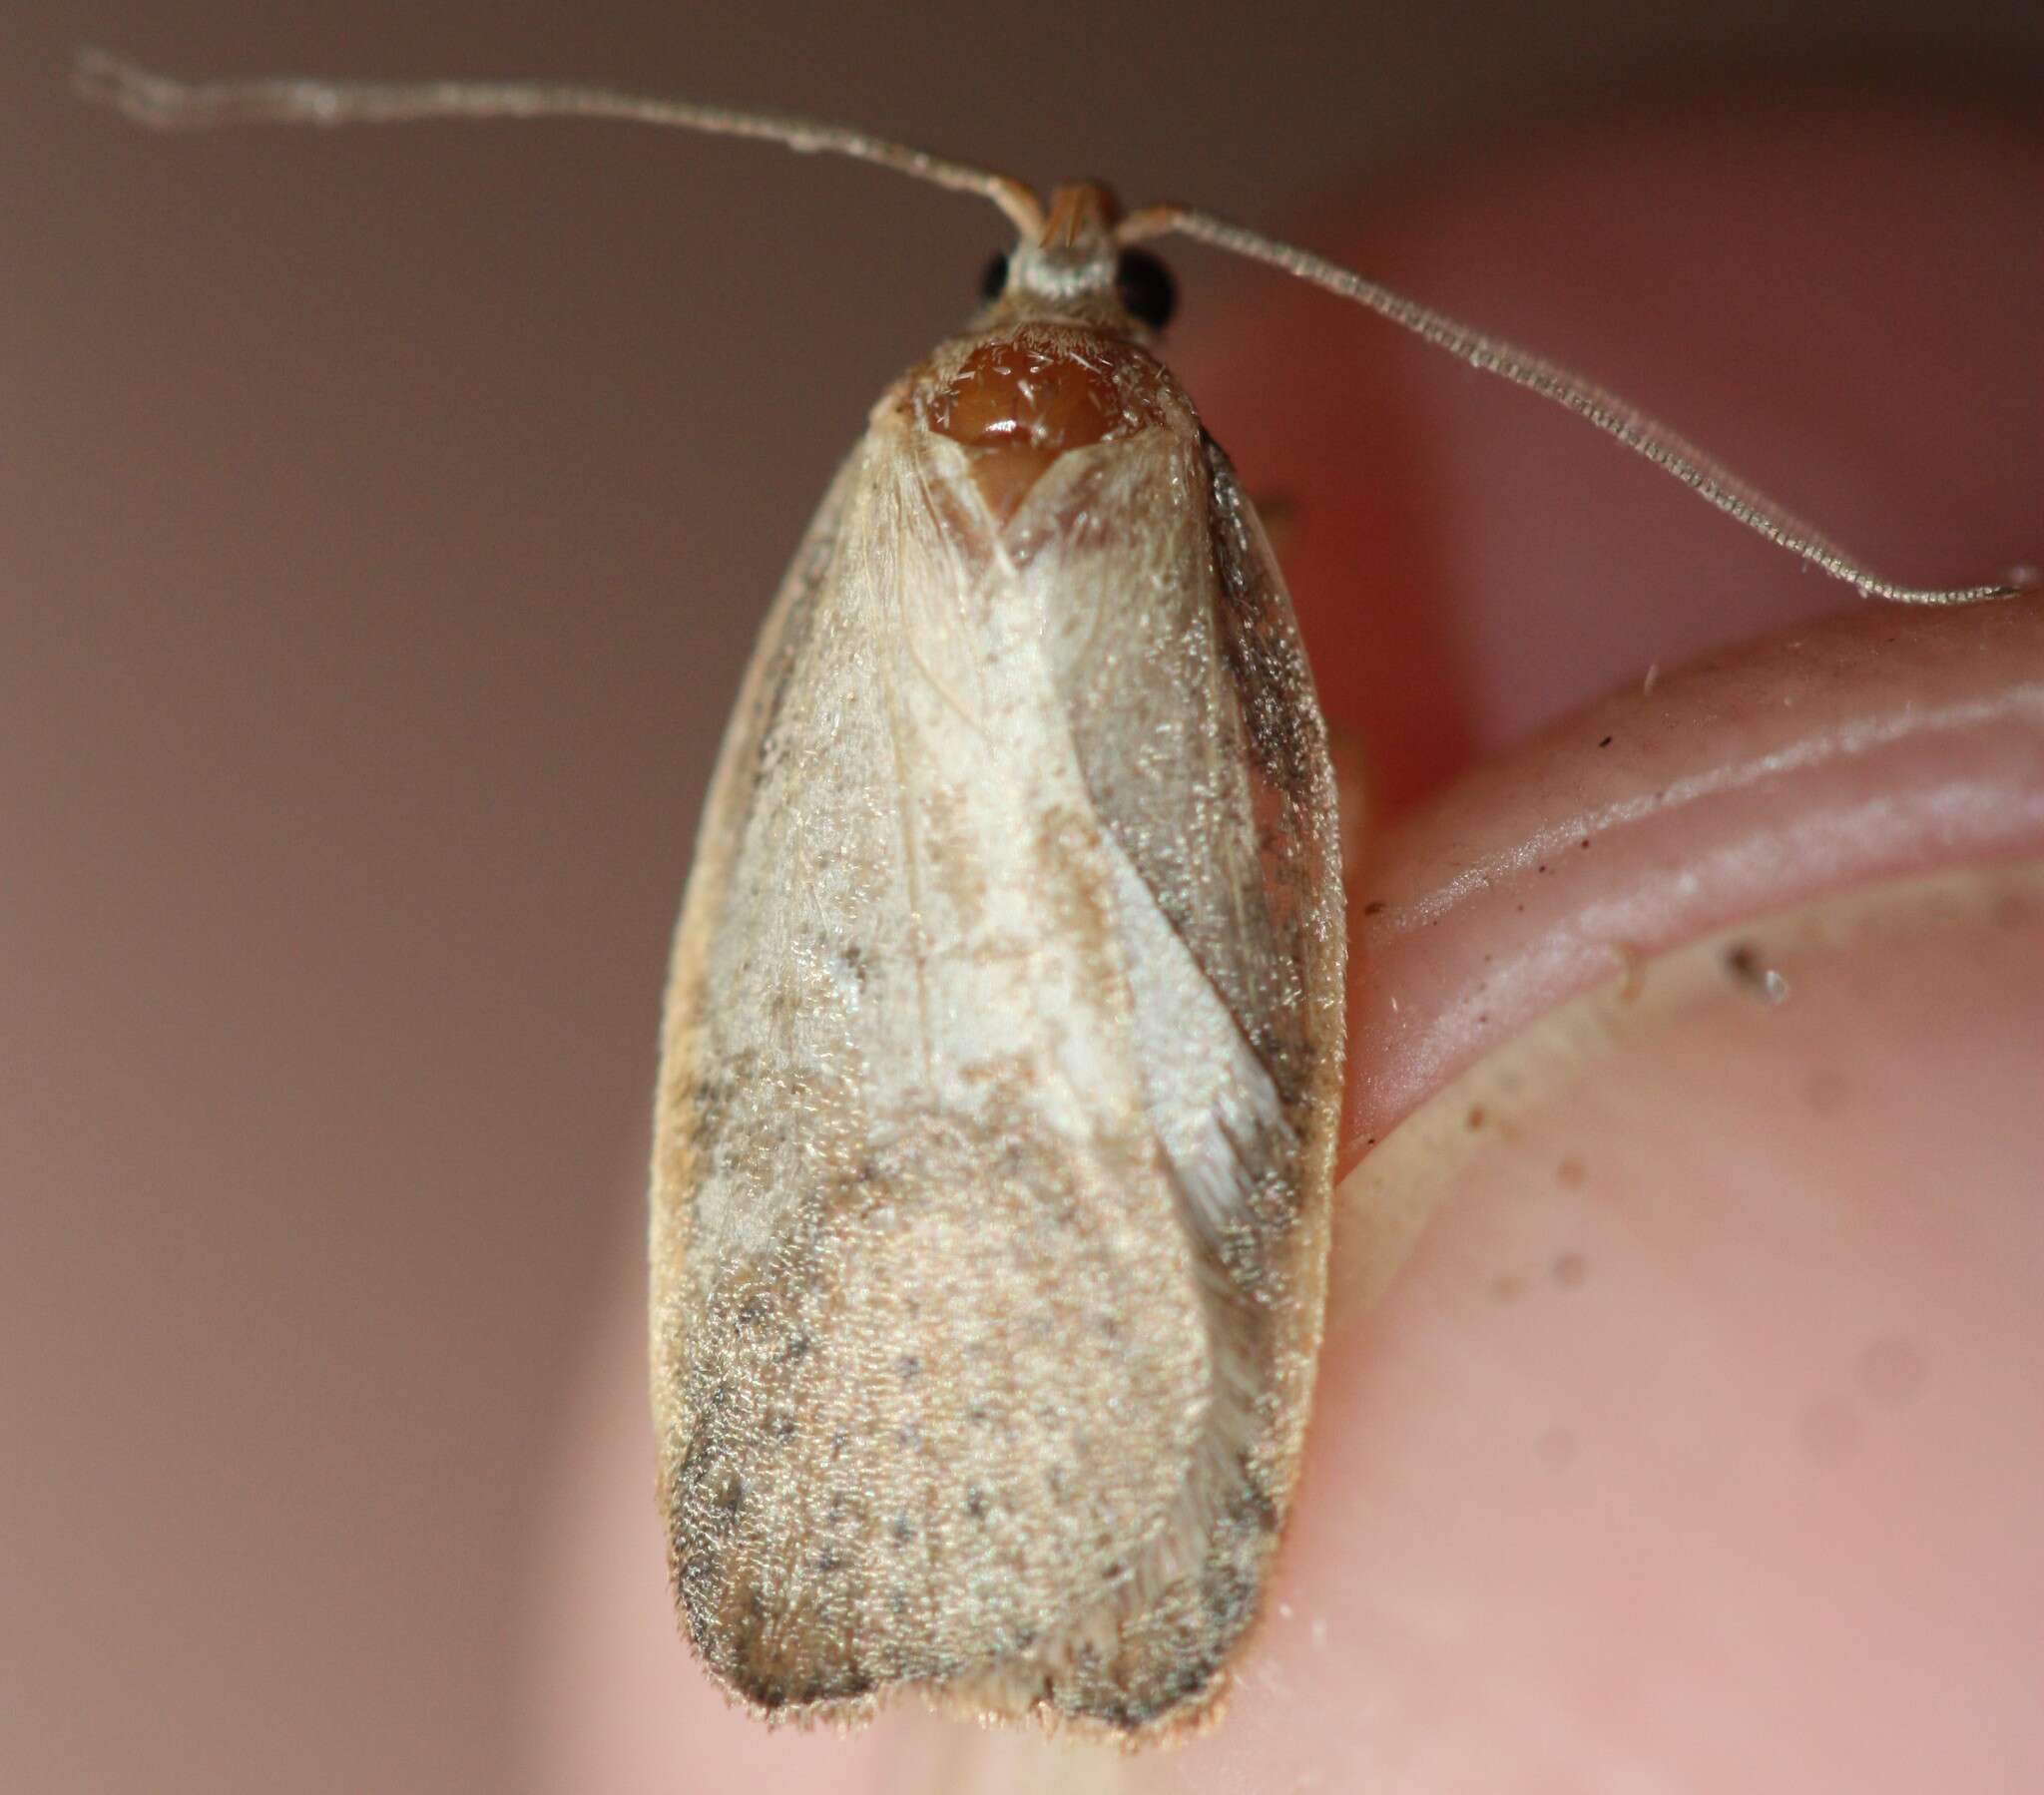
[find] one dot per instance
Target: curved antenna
(1703, 473)
(167, 104)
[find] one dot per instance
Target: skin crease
(1697, 1446)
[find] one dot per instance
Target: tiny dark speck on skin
(1825, 1091)
(1476, 1116)
(1555, 1448)
(1570, 1173)
(1891, 1369)
(1507, 1287)
(1375, 907)
(1828, 1427)
(1570, 1269)
(1743, 961)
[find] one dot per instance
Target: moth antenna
(164, 103)
(167, 104)
(1707, 477)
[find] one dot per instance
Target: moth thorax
(1022, 398)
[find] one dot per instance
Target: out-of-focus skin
(1698, 1443)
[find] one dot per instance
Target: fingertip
(1688, 1436)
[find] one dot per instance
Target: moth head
(1076, 265)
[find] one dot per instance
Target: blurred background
(384, 519)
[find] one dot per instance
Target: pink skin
(1866, 747)
(1699, 1445)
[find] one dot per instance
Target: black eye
(1146, 287)
(993, 282)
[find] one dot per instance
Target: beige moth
(1001, 1063)
(1002, 1057)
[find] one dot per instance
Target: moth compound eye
(1145, 287)
(993, 279)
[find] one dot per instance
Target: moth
(1001, 1064)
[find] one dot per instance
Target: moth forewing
(683, 1092)
(996, 1116)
